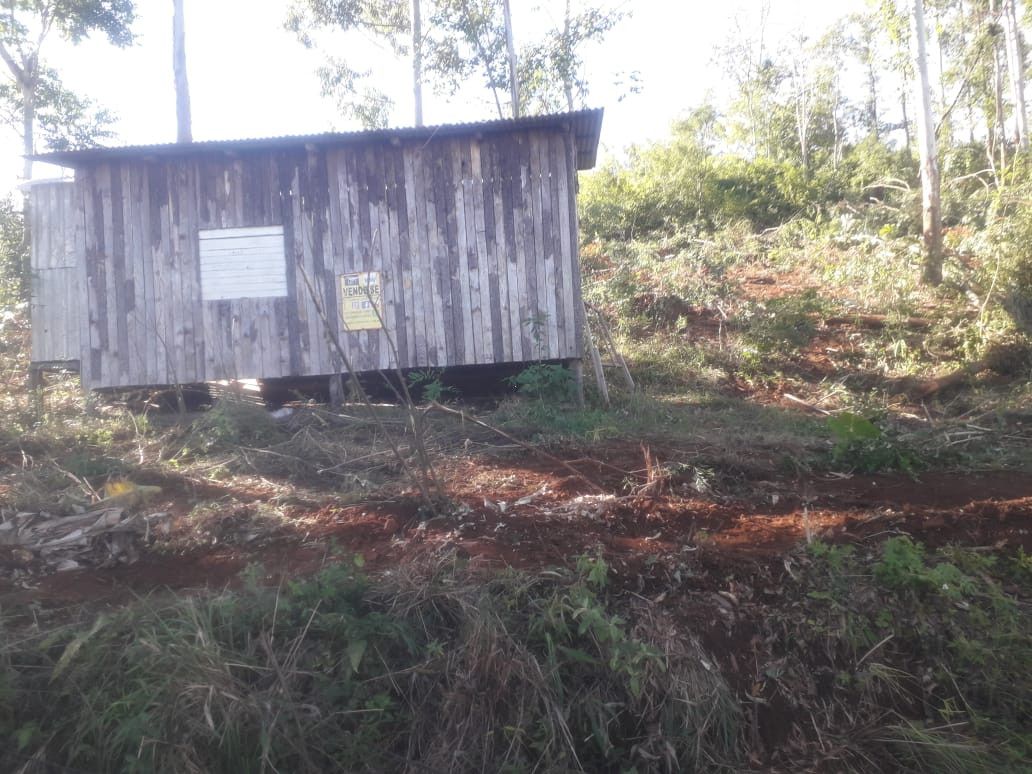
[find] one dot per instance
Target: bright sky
(249, 77)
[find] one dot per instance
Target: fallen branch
(877, 321)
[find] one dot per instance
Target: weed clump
(931, 652)
(431, 668)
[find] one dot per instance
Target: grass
(430, 667)
(945, 636)
(896, 656)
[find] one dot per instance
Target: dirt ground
(524, 513)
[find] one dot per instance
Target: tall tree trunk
(931, 205)
(568, 74)
(906, 118)
(999, 133)
(28, 93)
(872, 98)
(1016, 69)
(417, 61)
(511, 47)
(183, 121)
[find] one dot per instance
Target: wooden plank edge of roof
(84, 156)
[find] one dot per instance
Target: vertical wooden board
(160, 298)
(42, 318)
(437, 256)
(401, 260)
(351, 234)
(445, 268)
(521, 263)
(192, 269)
(351, 341)
(574, 245)
(507, 240)
(481, 322)
(499, 247)
(111, 364)
(75, 247)
(250, 193)
(101, 243)
(243, 338)
(422, 297)
(94, 338)
(480, 262)
(189, 272)
(457, 280)
(293, 193)
(368, 341)
(393, 275)
(381, 260)
(565, 248)
(321, 198)
(82, 284)
(340, 244)
(564, 290)
(133, 204)
(313, 191)
(135, 353)
(261, 336)
(282, 333)
(145, 285)
(543, 228)
(280, 178)
(538, 330)
(483, 197)
(228, 328)
(171, 261)
(463, 277)
(213, 352)
(553, 262)
(314, 286)
(548, 341)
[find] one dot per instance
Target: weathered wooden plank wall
(55, 306)
(475, 240)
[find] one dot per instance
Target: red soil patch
(525, 514)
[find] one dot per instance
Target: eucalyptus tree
(931, 202)
(184, 131)
(551, 69)
(33, 92)
(388, 21)
(457, 46)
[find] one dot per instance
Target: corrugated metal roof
(586, 125)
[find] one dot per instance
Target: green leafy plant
(861, 446)
(430, 385)
(544, 382)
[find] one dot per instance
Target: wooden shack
(197, 262)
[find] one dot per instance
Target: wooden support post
(36, 389)
(577, 366)
(337, 390)
(596, 363)
(617, 357)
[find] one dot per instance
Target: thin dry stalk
(421, 481)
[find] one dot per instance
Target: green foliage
(545, 382)
(306, 679)
(13, 257)
(783, 324)
(232, 422)
(943, 630)
(429, 384)
(862, 446)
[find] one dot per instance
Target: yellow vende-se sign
(360, 298)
